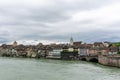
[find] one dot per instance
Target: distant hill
(116, 44)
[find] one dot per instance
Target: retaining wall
(109, 60)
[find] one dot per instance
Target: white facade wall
(55, 52)
(83, 52)
(112, 53)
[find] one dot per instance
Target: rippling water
(44, 69)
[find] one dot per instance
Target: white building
(83, 51)
(56, 53)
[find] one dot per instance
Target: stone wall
(109, 60)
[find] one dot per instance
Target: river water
(44, 69)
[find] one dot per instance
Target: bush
(118, 52)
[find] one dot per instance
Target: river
(45, 69)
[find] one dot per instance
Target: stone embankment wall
(109, 60)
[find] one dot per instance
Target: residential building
(55, 53)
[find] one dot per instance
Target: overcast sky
(58, 20)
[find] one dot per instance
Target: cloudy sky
(58, 20)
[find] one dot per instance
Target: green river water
(44, 69)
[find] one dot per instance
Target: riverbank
(113, 61)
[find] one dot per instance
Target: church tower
(14, 44)
(71, 41)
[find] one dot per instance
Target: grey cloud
(24, 20)
(51, 13)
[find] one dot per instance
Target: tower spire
(71, 41)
